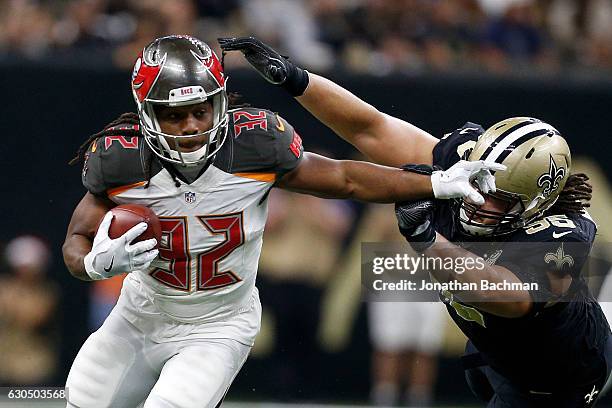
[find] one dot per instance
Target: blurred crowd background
(366, 36)
(65, 65)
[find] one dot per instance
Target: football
(128, 215)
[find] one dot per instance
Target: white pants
(120, 367)
(401, 326)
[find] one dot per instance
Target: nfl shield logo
(190, 197)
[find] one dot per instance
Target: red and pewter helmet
(177, 71)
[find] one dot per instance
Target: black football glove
(275, 68)
(415, 218)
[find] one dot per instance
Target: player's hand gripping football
(109, 257)
(275, 68)
(456, 181)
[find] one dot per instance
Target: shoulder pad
(116, 161)
(455, 145)
(260, 141)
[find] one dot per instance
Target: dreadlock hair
(128, 118)
(574, 197)
(127, 124)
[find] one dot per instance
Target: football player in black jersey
(527, 348)
(189, 310)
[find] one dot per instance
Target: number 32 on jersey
(174, 252)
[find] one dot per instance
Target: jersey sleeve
(289, 148)
(449, 150)
(112, 162)
(262, 142)
(92, 175)
(453, 146)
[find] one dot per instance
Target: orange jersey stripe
(267, 177)
(118, 190)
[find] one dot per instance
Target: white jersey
(212, 229)
(210, 246)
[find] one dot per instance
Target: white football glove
(456, 181)
(110, 257)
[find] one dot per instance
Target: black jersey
(561, 340)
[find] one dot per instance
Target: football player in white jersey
(189, 311)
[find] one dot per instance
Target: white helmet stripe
(513, 137)
(505, 133)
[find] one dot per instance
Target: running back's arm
(327, 178)
(81, 231)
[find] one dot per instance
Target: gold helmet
(538, 163)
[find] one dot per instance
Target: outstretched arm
(383, 138)
(327, 178)
(323, 177)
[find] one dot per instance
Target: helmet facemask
(485, 222)
(167, 146)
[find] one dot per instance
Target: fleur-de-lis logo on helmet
(550, 181)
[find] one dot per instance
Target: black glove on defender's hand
(415, 218)
(275, 68)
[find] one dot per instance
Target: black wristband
(297, 80)
(425, 169)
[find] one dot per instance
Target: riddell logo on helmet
(186, 91)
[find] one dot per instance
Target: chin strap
(195, 156)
